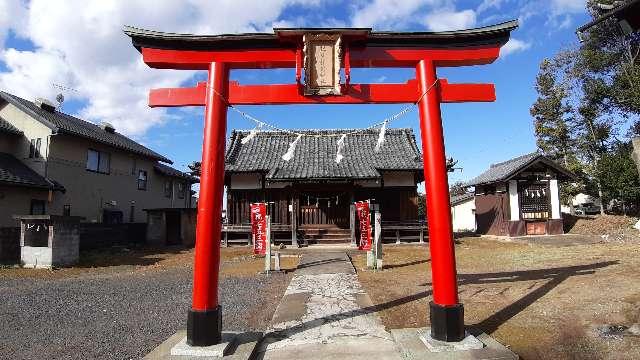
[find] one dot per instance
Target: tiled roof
(14, 172)
(169, 171)
(7, 127)
(504, 170)
(459, 199)
(68, 124)
(315, 156)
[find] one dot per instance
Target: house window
(98, 161)
(168, 188)
(37, 207)
(66, 210)
(34, 148)
(181, 188)
(142, 180)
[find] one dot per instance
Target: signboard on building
(259, 228)
(362, 209)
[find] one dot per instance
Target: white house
(463, 212)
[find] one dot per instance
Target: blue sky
(107, 77)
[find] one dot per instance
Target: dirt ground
(234, 261)
(611, 228)
(543, 301)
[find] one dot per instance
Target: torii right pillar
(446, 312)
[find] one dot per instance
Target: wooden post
(204, 322)
(226, 237)
(421, 235)
(267, 256)
(446, 311)
(377, 218)
(294, 220)
(397, 236)
(352, 224)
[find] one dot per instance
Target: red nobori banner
(362, 209)
(259, 228)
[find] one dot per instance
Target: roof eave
(495, 34)
(608, 15)
(30, 112)
(26, 185)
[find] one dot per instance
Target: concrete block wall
(65, 244)
(96, 236)
(156, 228)
(9, 245)
(188, 228)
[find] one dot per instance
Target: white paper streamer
(292, 148)
(252, 134)
(339, 155)
(383, 130)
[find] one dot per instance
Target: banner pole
(267, 254)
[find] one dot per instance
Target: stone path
(325, 314)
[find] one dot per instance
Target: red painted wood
(208, 231)
(293, 94)
(443, 260)
(456, 93)
(286, 58)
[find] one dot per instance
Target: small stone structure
(48, 241)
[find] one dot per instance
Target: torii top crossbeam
(285, 49)
(326, 56)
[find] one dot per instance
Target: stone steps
(326, 235)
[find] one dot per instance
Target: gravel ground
(118, 316)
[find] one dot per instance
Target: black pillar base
(447, 322)
(204, 327)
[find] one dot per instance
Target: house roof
(169, 171)
(314, 156)
(7, 127)
(64, 123)
(493, 34)
(14, 172)
(459, 199)
(507, 169)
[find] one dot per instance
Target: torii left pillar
(204, 324)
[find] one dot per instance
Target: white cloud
(450, 20)
(514, 45)
(488, 4)
(80, 45)
(11, 17)
(390, 14)
(568, 6)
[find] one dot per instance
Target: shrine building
(520, 197)
(312, 195)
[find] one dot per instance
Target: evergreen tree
(587, 96)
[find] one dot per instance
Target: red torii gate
(287, 48)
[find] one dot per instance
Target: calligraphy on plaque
(322, 61)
